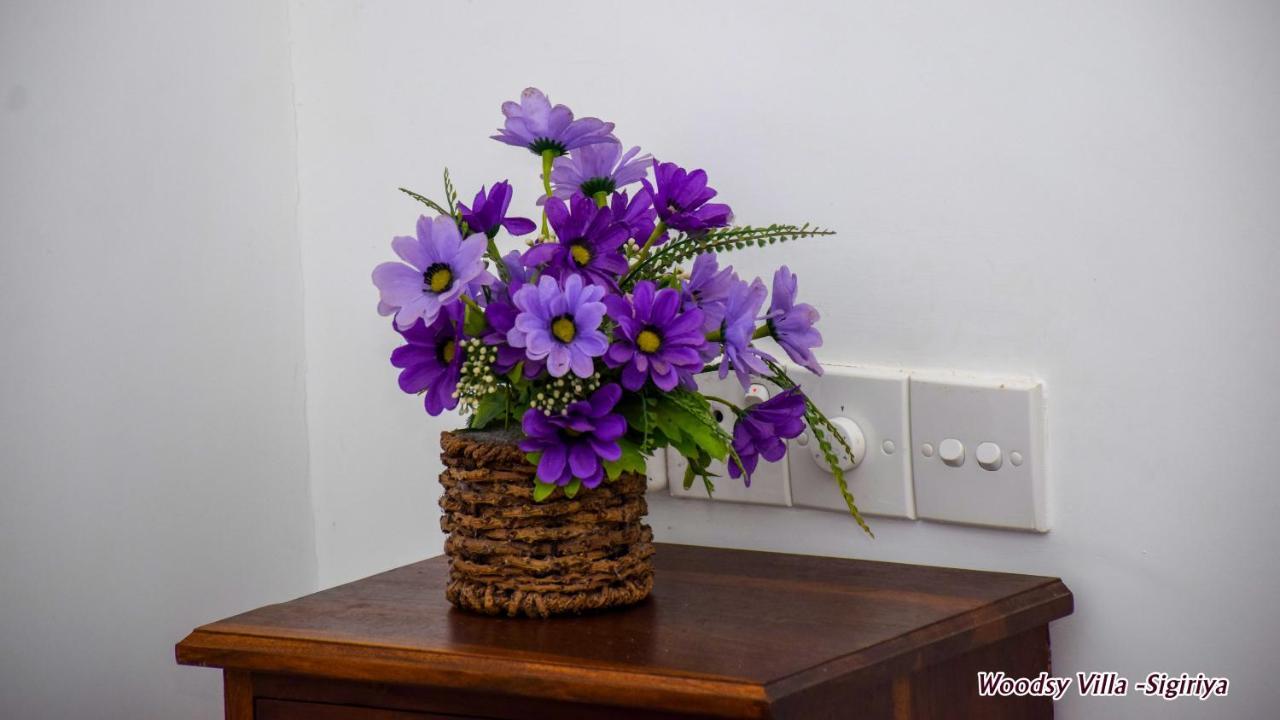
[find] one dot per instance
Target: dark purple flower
(791, 324)
(534, 124)
(637, 214)
(560, 324)
(488, 212)
(599, 168)
(574, 442)
(760, 431)
(431, 359)
(741, 310)
(654, 340)
(500, 316)
(588, 242)
(440, 267)
(681, 199)
(708, 290)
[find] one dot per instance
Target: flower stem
(658, 230)
(762, 332)
(548, 157)
(601, 198)
(471, 302)
(737, 410)
(497, 259)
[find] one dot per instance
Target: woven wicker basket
(509, 555)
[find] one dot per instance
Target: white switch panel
(978, 450)
(769, 483)
(876, 400)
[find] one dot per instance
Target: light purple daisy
(654, 339)
(560, 324)
(534, 124)
(574, 442)
(791, 324)
(431, 359)
(599, 168)
(741, 310)
(439, 266)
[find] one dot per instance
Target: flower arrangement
(590, 338)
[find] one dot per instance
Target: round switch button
(989, 456)
(952, 452)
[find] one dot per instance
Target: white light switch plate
(875, 399)
(951, 416)
(769, 483)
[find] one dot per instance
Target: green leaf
(571, 490)
(491, 407)
(632, 460)
(542, 491)
(473, 323)
(686, 419)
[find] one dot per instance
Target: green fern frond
(821, 426)
(425, 201)
(687, 247)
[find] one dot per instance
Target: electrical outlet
(978, 450)
(873, 403)
(770, 484)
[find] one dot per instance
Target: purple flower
(598, 168)
(654, 339)
(488, 212)
(589, 242)
(534, 124)
(574, 442)
(708, 290)
(440, 267)
(681, 199)
(741, 309)
(560, 324)
(761, 428)
(791, 324)
(431, 359)
(500, 315)
(637, 214)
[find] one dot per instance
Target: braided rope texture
(511, 556)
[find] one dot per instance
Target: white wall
(153, 451)
(1081, 191)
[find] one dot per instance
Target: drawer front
(265, 709)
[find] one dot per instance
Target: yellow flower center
(447, 351)
(438, 277)
(648, 341)
(581, 254)
(563, 329)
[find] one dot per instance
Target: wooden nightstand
(727, 633)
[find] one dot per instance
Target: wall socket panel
(939, 446)
(770, 484)
(877, 400)
(978, 450)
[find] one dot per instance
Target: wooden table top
(727, 631)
